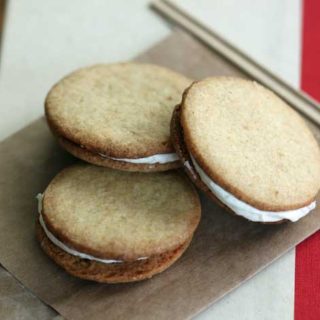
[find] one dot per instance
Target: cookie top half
(120, 110)
(251, 143)
(120, 215)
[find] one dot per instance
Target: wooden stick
(298, 100)
(2, 11)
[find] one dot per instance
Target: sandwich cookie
(114, 226)
(117, 115)
(247, 149)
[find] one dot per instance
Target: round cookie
(245, 146)
(117, 115)
(115, 226)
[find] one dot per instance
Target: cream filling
(157, 158)
(245, 210)
(160, 158)
(66, 248)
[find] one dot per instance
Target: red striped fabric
(307, 269)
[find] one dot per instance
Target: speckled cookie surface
(120, 215)
(251, 143)
(121, 110)
(109, 273)
(99, 160)
(186, 161)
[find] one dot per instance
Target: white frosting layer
(157, 158)
(66, 248)
(243, 209)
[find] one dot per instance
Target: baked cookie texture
(184, 156)
(251, 143)
(121, 216)
(119, 110)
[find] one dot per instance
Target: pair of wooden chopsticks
(297, 99)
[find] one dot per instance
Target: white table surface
(44, 40)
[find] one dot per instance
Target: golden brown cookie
(116, 226)
(109, 273)
(117, 115)
(247, 148)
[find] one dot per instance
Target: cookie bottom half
(109, 273)
(99, 160)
